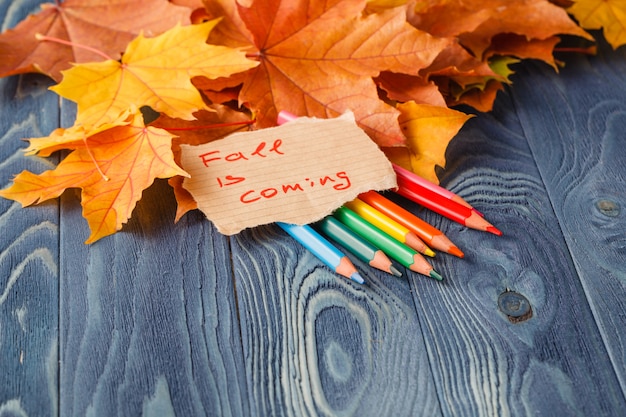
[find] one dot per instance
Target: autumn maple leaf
(318, 59)
(476, 22)
(73, 137)
(610, 15)
(102, 24)
(154, 72)
(484, 32)
(112, 168)
(429, 129)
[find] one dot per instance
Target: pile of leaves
(210, 68)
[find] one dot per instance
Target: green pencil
(358, 246)
(397, 250)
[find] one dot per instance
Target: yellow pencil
(389, 226)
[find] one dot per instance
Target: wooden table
(175, 319)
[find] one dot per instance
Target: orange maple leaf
(102, 24)
(485, 30)
(153, 72)
(112, 168)
(476, 22)
(318, 59)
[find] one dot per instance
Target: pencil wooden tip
(395, 271)
(494, 230)
(413, 241)
(477, 212)
(436, 275)
(356, 277)
(456, 252)
(382, 262)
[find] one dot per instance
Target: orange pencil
(389, 226)
(434, 237)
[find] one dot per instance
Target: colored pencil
(444, 206)
(284, 117)
(434, 237)
(395, 249)
(323, 249)
(358, 246)
(389, 226)
(432, 186)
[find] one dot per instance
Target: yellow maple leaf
(428, 129)
(112, 168)
(607, 14)
(153, 72)
(73, 137)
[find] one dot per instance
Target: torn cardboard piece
(298, 172)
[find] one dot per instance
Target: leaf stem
(93, 159)
(46, 38)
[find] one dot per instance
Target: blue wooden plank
(149, 321)
(28, 259)
(148, 318)
(319, 344)
(486, 361)
(583, 168)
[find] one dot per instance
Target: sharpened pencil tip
(456, 252)
(395, 271)
(356, 277)
(434, 274)
(429, 252)
(494, 230)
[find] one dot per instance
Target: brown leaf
(534, 19)
(207, 126)
(102, 24)
(481, 99)
(518, 46)
(404, 87)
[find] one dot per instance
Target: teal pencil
(323, 249)
(358, 246)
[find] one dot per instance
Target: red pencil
(444, 206)
(431, 186)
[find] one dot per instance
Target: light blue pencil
(323, 249)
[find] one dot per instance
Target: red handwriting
(243, 156)
(229, 180)
(341, 182)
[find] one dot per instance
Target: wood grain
(584, 172)
(319, 345)
(149, 325)
(28, 259)
(167, 319)
(555, 359)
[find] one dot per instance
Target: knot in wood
(608, 208)
(515, 306)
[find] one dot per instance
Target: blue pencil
(323, 249)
